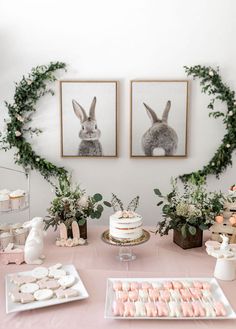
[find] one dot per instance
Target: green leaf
(159, 203)
(157, 192)
(97, 197)
(107, 204)
(82, 222)
(183, 231)
(100, 208)
(192, 230)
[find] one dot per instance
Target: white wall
(122, 39)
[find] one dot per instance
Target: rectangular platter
(217, 294)
(18, 307)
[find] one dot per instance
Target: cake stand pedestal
(125, 253)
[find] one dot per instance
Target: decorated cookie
(29, 288)
(55, 267)
(20, 297)
(71, 293)
(43, 294)
(56, 273)
(60, 293)
(19, 280)
(40, 272)
(67, 281)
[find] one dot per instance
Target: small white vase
(225, 269)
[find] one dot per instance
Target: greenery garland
(27, 92)
(213, 85)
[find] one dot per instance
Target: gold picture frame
(100, 97)
(145, 99)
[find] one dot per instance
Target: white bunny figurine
(34, 242)
(160, 135)
(225, 242)
(89, 133)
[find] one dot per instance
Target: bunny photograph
(88, 118)
(159, 118)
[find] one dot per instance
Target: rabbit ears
(152, 115)
(80, 111)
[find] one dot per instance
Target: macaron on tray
(167, 298)
(43, 286)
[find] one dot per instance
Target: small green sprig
(117, 204)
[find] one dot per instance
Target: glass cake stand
(125, 248)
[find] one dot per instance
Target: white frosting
(17, 193)
(129, 228)
(4, 197)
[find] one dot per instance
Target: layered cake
(126, 226)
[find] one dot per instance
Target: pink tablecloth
(95, 262)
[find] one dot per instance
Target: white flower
(230, 113)
(37, 159)
(227, 145)
(29, 82)
(17, 133)
(211, 73)
(213, 163)
(234, 102)
(19, 118)
(83, 201)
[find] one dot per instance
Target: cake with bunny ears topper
(125, 225)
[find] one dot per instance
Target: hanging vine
(212, 85)
(27, 92)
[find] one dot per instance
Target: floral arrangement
(213, 85)
(116, 204)
(72, 204)
(188, 210)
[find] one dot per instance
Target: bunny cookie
(160, 135)
(89, 134)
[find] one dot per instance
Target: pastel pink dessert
(118, 308)
(197, 284)
(151, 309)
(140, 309)
(146, 285)
(122, 295)
(125, 286)
(153, 294)
(117, 285)
(168, 285)
(196, 293)
(187, 309)
(129, 309)
(165, 295)
(133, 295)
(198, 309)
(162, 309)
(177, 284)
(175, 310)
(186, 295)
(206, 286)
(134, 286)
(143, 294)
(219, 309)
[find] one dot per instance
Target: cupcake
(4, 202)
(17, 198)
(20, 235)
(5, 239)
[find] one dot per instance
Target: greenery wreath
(27, 92)
(213, 85)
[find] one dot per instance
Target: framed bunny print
(158, 121)
(88, 118)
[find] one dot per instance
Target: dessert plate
(18, 307)
(217, 294)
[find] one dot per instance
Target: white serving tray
(216, 292)
(18, 307)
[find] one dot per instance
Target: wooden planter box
(190, 241)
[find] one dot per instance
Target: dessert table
(96, 262)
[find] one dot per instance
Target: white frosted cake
(126, 225)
